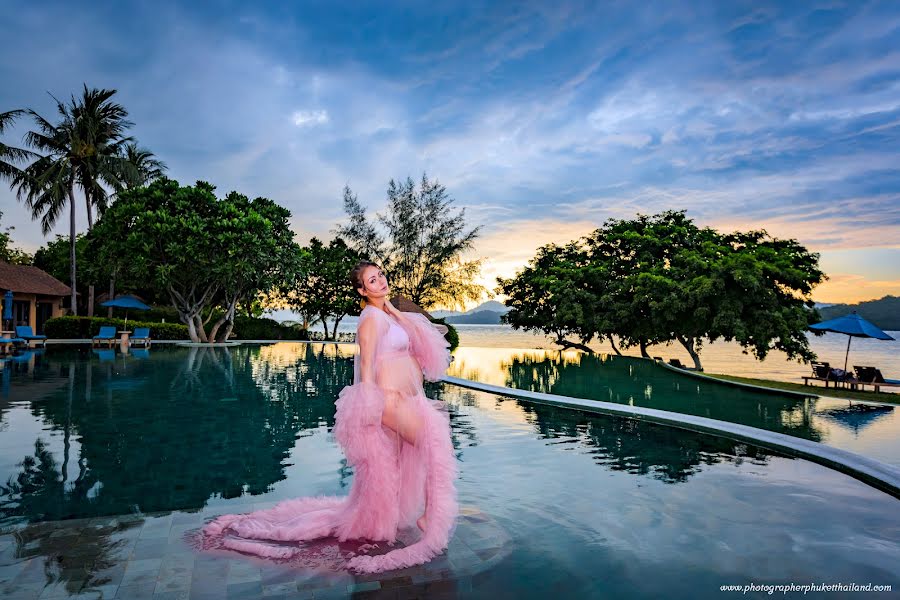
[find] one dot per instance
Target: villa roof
(406, 305)
(31, 280)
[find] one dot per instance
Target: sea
(719, 357)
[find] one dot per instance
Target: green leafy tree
(204, 252)
(549, 296)
(661, 279)
(318, 287)
(8, 253)
(295, 290)
(423, 246)
(53, 257)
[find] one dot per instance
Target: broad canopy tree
(204, 252)
(661, 279)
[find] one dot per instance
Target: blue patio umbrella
(851, 325)
(7, 306)
(126, 302)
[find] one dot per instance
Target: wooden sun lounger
(872, 376)
(823, 372)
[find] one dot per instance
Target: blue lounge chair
(141, 336)
(107, 334)
(25, 332)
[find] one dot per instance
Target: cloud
(541, 121)
(309, 117)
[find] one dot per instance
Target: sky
(542, 119)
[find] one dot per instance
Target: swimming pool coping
(873, 472)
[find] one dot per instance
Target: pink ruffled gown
(393, 478)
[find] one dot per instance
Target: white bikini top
(396, 337)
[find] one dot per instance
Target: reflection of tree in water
(666, 453)
(41, 487)
(627, 380)
(170, 432)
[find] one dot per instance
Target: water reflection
(856, 417)
(627, 380)
(638, 447)
(165, 433)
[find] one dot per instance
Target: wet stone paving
(152, 556)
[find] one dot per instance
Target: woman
(397, 440)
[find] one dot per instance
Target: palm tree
(143, 167)
(10, 155)
(101, 126)
(85, 150)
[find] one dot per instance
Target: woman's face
(374, 283)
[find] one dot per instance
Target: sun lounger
(872, 376)
(25, 332)
(824, 372)
(107, 334)
(680, 365)
(141, 336)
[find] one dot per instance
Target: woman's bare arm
(367, 338)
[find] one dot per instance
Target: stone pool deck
(151, 557)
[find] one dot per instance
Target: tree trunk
(612, 342)
(112, 294)
(192, 328)
(567, 345)
(72, 247)
(336, 321)
(689, 344)
(228, 317)
(324, 326)
(643, 344)
(200, 328)
(90, 218)
(228, 328)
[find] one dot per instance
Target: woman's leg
(401, 416)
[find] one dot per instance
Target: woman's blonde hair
(355, 277)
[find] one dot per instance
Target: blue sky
(542, 119)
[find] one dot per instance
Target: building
(37, 296)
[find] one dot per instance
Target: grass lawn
(813, 389)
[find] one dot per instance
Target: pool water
(589, 506)
(870, 429)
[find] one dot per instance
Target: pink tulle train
(394, 481)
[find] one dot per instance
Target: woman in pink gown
(397, 440)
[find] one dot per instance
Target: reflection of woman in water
(397, 440)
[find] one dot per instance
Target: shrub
(452, 335)
(88, 327)
(252, 328)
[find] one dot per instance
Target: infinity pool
(870, 429)
(108, 463)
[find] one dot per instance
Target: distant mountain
(489, 306)
(481, 317)
(885, 313)
(440, 314)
